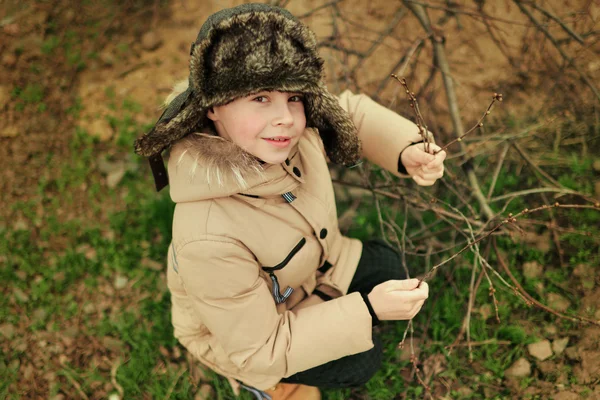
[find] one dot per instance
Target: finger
(402, 284)
(422, 182)
(431, 176)
(421, 156)
(415, 310)
(434, 148)
(438, 161)
(409, 296)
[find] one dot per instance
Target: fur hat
(245, 50)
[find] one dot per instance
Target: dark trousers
(378, 263)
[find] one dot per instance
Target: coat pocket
(278, 295)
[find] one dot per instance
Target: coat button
(297, 172)
(287, 162)
(323, 233)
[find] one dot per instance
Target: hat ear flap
(183, 115)
(338, 132)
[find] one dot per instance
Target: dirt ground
(148, 53)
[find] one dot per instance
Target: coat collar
(206, 166)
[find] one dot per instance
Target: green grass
(51, 265)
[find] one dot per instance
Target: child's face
(266, 125)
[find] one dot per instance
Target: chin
(275, 159)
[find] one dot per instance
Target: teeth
(278, 140)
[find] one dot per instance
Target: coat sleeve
(233, 301)
(383, 133)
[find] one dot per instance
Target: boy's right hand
(398, 299)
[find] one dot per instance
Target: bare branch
(558, 20)
(440, 56)
(569, 60)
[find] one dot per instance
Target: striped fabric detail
(258, 394)
(277, 295)
(289, 197)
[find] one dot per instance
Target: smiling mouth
(278, 139)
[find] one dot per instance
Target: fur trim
(219, 159)
(276, 53)
(178, 88)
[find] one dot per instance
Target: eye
(260, 99)
(297, 98)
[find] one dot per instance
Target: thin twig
(558, 20)
(113, 378)
(172, 387)
(495, 98)
(497, 170)
(552, 40)
(537, 169)
(440, 56)
(414, 104)
(531, 299)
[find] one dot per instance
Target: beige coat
(224, 309)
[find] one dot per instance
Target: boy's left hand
(423, 167)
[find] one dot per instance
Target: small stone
(485, 311)
(204, 393)
(20, 295)
(39, 315)
(521, 368)
(114, 178)
(163, 351)
(532, 270)
(107, 57)
(540, 288)
(106, 167)
(566, 395)
(151, 264)
(89, 308)
(151, 41)
(559, 345)
(9, 60)
(176, 352)
(88, 251)
(98, 127)
(59, 276)
(540, 350)
(112, 344)
(546, 367)
(120, 282)
(558, 302)
(21, 225)
(19, 344)
(69, 15)
(551, 330)
(582, 270)
(572, 353)
(7, 330)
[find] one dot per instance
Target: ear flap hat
(245, 50)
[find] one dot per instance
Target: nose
(283, 116)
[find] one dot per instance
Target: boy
(265, 290)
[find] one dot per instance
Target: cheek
(300, 117)
(246, 128)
